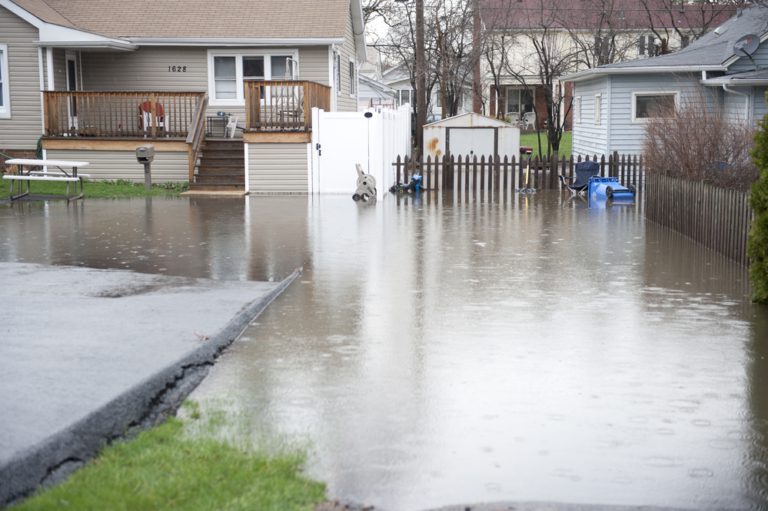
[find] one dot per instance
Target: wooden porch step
(213, 187)
(220, 178)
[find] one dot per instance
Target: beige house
(574, 35)
(223, 90)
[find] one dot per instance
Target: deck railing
(196, 136)
(283, 105)
(120, 114)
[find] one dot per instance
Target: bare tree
(599, 31)
(688, 20)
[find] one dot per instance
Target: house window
(519, 100)
(577, 109)
(653, 105)
(352, 79)
(225, 77)
(228, 69)
(405, 96)
(5, 99)
(598, 109)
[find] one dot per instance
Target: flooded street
(447, 352)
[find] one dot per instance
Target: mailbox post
(145, 154)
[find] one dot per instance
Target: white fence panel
(342, 139)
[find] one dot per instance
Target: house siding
(734, 106)
(24, 127)
(744, 64)
(346, 102)
(59, 70)
(112, 165)
(760, 106)
(313, 64)
(588, 137)
(278, 168)
(627, 137)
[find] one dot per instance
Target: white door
(72, 85)
(471, 142)
(341, 140)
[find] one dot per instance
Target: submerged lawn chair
(579, 184)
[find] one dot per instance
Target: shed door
(472, 141)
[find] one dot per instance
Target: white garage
(471, 135)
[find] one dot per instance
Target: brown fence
(715, 217)
(499, 174)
(120, 114)
(276, 105)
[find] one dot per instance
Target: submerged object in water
(605, 190)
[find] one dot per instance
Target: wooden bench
(58, 175)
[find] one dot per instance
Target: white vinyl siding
(111, 165)
(278, 168)
(21, 128)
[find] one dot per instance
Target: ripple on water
(700, 473)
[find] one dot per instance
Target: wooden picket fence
(507, 174)
(715, 217)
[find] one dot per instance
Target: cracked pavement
(87, 355)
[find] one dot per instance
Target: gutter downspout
(747, 117)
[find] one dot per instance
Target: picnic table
(45, 170)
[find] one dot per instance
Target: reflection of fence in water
(496, 175)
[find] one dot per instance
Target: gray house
(223, 90)
(612, 103)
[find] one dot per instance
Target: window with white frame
(653, 105)
(577, 109)
(5, 96)
(405, 96)
(228, 69)
(598, 109)
(352, 78)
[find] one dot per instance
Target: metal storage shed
(471, 135)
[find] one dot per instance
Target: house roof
(470, 119)
(748, 79)
(588, 14)
(138, 19)
(713, 51)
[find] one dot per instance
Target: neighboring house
(612, 103)
(399, 79)
(376, 95)
(97, 78)
(576, 35)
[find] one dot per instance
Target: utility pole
(421, 78)
(477, 93)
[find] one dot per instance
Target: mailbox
(145, 154)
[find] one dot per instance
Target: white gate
(342, 139)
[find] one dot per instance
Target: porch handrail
(283, 105)
(119, 114)
(196, 135)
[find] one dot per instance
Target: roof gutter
(598, 71)
(746, 82)
(229, 41)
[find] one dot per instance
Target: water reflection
(451, 349)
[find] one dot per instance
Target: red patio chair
(147, 114)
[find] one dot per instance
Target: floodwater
(442, 352)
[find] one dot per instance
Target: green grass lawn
(106, 189)
(530, 140)
(168, 468)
